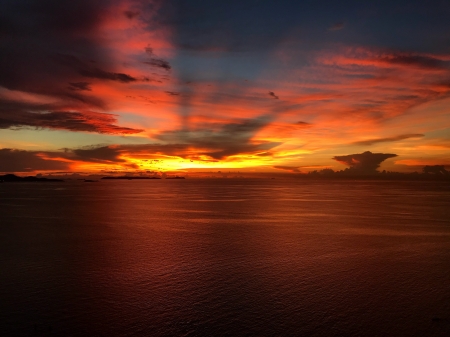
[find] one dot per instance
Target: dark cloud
(105, 75)
(188, 151)
(87, 70)
(445, 83)
(159, 63)
(36, 30)
(417, 61)
(303, 124)
(131, 14)
(364, 163)
(19, 115)
(222, 141)
(12, 160)
(271, 93)
(113, 153)
(80, 86)
(108, 154)
(388, 139)
(44, 45)
(337, 26)
(173, 93)
(294, 169)
(149, 50)
(27, 161)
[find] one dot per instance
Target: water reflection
(225, 257)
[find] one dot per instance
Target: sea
(225, 257)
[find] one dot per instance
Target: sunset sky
(265, 86)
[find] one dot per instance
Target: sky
(248, 85)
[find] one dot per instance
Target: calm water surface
(225, 258)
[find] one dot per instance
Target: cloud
(115, 153)
(416, 60)
(105, 75)
(102, 154)
(28, 161)
(364, 163)
(149, 50)
(42, 28)
(131, 14)
(294, 169)
(14, 160)
(19, 115)
(388, 139)
(87, 70)
(271, 93)
(222, 141)
(337, 26)
(391, 58)
(159, 63)
(58, 45)
(80, 86)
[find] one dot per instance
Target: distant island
(429, 172)
(365, 168)
(139, 177)
(9, 178)
(130, 178)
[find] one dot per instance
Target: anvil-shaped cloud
(364, 163)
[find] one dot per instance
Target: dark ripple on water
(225, 258)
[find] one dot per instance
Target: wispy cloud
(294, 169)
(388, 139)
(337, 26)
(271, 93)
(159, 63)
(80, 86)
(415, 60)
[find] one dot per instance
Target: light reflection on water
(225, 257)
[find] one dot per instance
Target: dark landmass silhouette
(130, 178)
(176, 177)
(8, 178)
(366, 164)
(429, 172)
(436, 169)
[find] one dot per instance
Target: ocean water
(225, 257)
